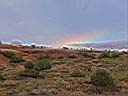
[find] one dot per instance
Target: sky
(55, 22)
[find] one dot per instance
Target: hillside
(61, 72)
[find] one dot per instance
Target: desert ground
(62, 72)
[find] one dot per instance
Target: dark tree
(33, 46)
(0, 42)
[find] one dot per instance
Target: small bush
(46, 57)
(108, 54)
(16, 59)
(115, 54)
(29, 65)
(43, 57)
(2, 77)
(105, 55)
(8, 54)
(29, 73)
(102, 78)
(88, 55)
(60, 57)
(77, 73)
(11, 55)
(72, 56)
(85, 54)
(42, 65)
(33, 70)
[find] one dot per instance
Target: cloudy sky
(63, 21)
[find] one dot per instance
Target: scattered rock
(36, 92)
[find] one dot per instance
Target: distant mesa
(18, 44)
(103, 45)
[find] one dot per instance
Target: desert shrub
(72, 56)
(33, 70)
(60, 57)
(46, 56)
(124, 52)
(77, 73)
(43, 57)
(42, 65)
(28, 65)
(102, 78)
(107, 54)
(115, 54)
(85, 54)
(2, 77)
(125, 78)
(11, 55)
(8, 54)
(16, 59)
(88, 55)
(29, 73)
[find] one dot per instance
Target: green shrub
(102, 78)
(29, 73)
(43, 57)
(108, 54)
(2, 77)
(88, 55)
(42, 65)
(28, 65)
(33, 70)
(115, 54)
(105, 54)
(16, 59)
(85, 54)
(8, 54)
(77, 73)
(11, 55)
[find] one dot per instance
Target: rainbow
(83, 37)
